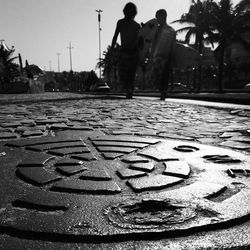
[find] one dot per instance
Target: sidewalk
(230, 97)
(237, 98)
(98, 171)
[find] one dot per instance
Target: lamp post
(50, 65)
(70, 55)
(99, 30)
(58, 61)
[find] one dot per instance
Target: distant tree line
(71, 81)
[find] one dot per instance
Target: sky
(39, 29)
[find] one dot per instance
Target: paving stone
(122, 132)
(5, 130)
(125, 139)
(221, 159)
(79, 127)
(8, 135)
(37, 176)
(35, 160)
(111, 156)
(241, 138)
(153, 182)
(116, 149)
(72, 169)
(229, 134)
(45, 122)
(130, 173)
(146, 133)
(159, 153)
(201, 189)
(209, 140)
(43, 201)
(67, 151)
(21, 129)
(28, 133)
(120, 144)
(98, 169)
(177, 168)
(135, 159)
(235, 145)
(28, 122)
(68, 162)
(77, 119)
(84, 157)
(174, 136)
(58, 126)
(44, 147)
(86, 186)
(43, 140)
(98, 174)
(10, 124)
(147, 167)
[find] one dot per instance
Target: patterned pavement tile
(153, 182)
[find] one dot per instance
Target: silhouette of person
(128, 61)
(162, 53)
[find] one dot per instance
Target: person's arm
(117, 31)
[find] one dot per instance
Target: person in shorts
(162, 53)
(128, 30)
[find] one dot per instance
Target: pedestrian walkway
(234, 98)
(98, 171)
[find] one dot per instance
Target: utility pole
(99, 30)
(70, 55)
(50, 65)
(58, 61)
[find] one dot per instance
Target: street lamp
(50, 65)
(99, 29)
(58, 61)
(70, 55)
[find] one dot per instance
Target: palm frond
(184, 29)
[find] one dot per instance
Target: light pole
(99, 29)
(58, 61)
(70, 55)
(50, 65)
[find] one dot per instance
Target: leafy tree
(230, 24)
(8, 69)
(109, 63)
(198, 26)
(198, 23)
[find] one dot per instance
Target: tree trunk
(221, 70)
(198, 82)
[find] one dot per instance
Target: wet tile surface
(153, 183)
(38, 176)
(87, 186)
(132, 166)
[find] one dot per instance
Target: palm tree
(8, 68)
(198, 21)
(230, 24)
(109, 63)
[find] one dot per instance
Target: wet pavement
(110, 173)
